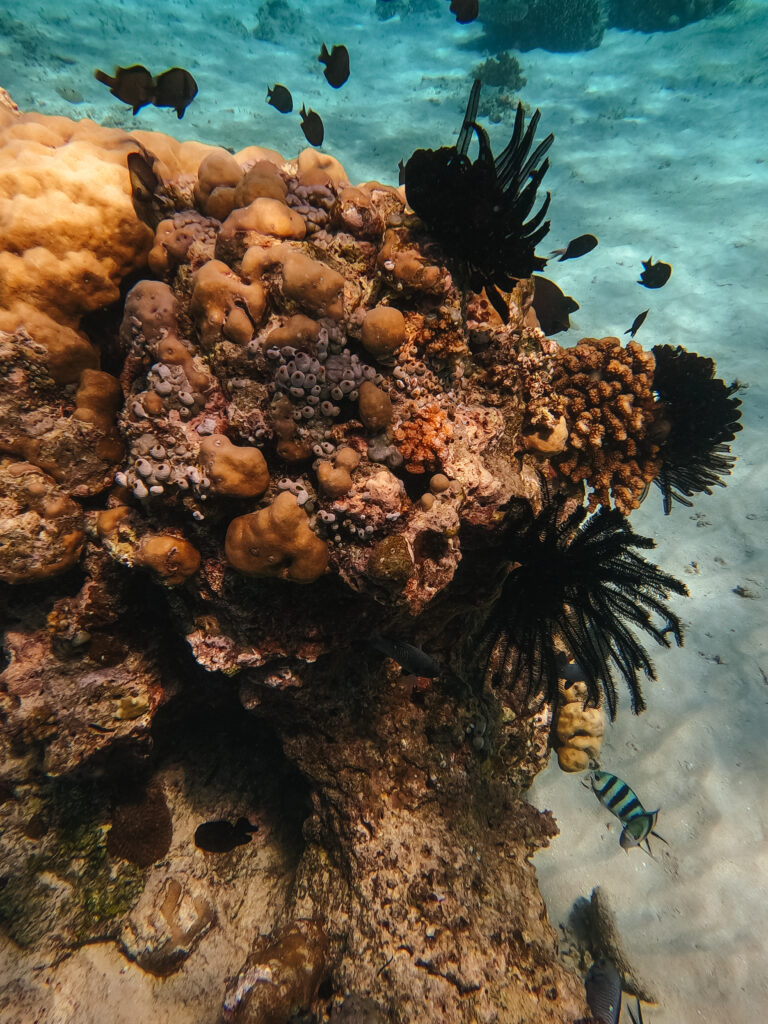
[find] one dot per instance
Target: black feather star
(580, 582)
(698, 417)
(477, 210)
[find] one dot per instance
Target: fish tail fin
(629, 332)
(104, 78)
(324, 54)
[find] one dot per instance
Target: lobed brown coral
(607, 391)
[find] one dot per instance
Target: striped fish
(639, 1018)
(603, 989)
(620, 800)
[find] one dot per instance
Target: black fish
(465, 10)
(654, 275)
(408, 657)
(336, 65)
(552, 306)
(637, 323)
(603, 986)
(175, 88)
(221, 837)
(144, 181)
(576, 247)
(312, 126)
(280, 98)
(133, 85)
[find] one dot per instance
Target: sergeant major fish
(603, 988)
(620, 800)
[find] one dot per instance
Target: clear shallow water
(660, 150)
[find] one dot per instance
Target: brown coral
(422, 437)
(41, 528)
(238, 472)
(578, 729)
(277, 541)
(608, 393)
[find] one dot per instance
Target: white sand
(661, 151)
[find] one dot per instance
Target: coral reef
(607, 394)
(557, 25)
(315, 429)
(577, 728)
(660, 15)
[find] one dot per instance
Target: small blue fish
(603, 987)
(622, 801)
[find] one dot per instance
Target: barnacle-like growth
(477, 210)
(698, 416)
(578, 581)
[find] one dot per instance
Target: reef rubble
(249, 419)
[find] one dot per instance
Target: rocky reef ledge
(250, 424)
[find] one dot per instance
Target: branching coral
(609, 405)
(697, 417)
(579, 581)
(477, 210)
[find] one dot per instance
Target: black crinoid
(577, 581)
(698, 417)
(477, 210)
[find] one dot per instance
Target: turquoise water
(660, 149)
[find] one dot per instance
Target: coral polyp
(577, 582)
(477, 209)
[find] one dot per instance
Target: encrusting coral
(316, 429)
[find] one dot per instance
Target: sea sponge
(309, 284)
(334, 478)
(607, 390)
(578, 729)
(239, 472)
(41, 528)
(276, 541)
(224, 306)
(383, 331)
